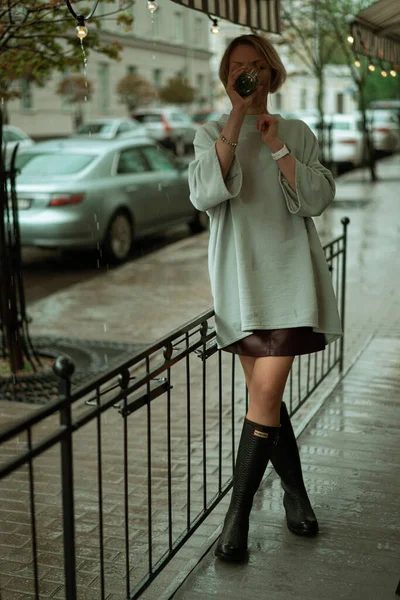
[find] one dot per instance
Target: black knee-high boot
(252, 458)
(285, 459)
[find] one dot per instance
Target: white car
(111, 129)
(346, 134)
(386, 129)
(170, 126)
(11, 137)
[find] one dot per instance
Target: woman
(259, 179)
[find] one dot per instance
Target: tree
(310, 38)
(319, 30)
(76, 89)
(381, 88)
(177, 91)
(336, 13)
(135, 91)
(37, 37)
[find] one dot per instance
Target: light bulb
(152, 5)
(81, 31)
(357, 63)
(350, 39)
(371, 67)
(215, 28)
(393, 73)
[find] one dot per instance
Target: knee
(263, 393)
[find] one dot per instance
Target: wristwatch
(281, 153)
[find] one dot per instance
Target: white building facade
(173, 40)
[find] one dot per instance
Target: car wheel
(179, 147)
(119, 237)
(200, 223)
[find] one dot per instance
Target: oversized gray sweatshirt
(266, 264)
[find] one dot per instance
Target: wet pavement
(351, 464)
(147, 298)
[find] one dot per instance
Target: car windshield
(148, 118)
(46, 163)
(96, 128)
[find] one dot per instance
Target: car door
(141, 190)
(172, 183)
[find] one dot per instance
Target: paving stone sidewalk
(139, 303)
(351, 464)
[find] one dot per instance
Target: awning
(376, 31)
(263, 15)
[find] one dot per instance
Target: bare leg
(266, 378)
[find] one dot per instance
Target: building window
(303, 98)
(131, 70)
(104, 87)
(200, 87)
(157, 78)
(198, 32)
(26, 95)
(178, 27)
(340, 103)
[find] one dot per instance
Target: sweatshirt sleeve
(315, 186)
(206, 184)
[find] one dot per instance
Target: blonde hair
(278, 71)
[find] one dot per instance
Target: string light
(152, 5)
(393, 73)
(81, 31)
(215, 27)
(350, 39)
(383, 73)
(371, 67)
(357, 62)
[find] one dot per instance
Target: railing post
(345, 221)
(64, 369)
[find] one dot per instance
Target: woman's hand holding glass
(239, 103)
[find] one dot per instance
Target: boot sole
(230, 557)
(303, 532)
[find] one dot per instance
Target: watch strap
(281, 153)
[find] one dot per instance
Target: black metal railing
(102, 486)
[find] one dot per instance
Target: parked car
(90, 193)
(346, 135)
(210, 116)
(203, 116)
(172, 127)
(385, 126)
(111, 128)
(11, 137)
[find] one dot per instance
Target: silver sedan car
(100, 194)
(110, 129)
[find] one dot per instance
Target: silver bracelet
(231, 144)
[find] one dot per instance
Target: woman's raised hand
(238, 101)
(268, 126)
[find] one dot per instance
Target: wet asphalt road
(48, 271)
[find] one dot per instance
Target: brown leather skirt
(279, 342)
